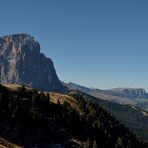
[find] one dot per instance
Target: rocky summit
(22, 62)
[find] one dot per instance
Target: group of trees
(21, 114)
(132, 118)
(26, 104)
(105, 130)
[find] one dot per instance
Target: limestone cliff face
(21, 62)
(130, 92)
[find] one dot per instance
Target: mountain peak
(19, 35)
(20, 41)
(21, 62)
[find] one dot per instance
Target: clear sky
(96, 43)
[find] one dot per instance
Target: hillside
(30, 118)
(6, 144)
(132, 117)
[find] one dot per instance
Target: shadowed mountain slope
(35, 119)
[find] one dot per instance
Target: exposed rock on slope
(22, 62)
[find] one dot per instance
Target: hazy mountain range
(132, 96)
(133, 93)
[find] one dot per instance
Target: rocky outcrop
(22, 62)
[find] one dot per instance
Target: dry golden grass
(54, 97)
(6, 144)
(13, 87)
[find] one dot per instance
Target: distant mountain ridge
(22, 62)
(132, 93)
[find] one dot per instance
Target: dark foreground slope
(135, 119)
(131, 116)
(30, 118)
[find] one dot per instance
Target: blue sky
(96, 43)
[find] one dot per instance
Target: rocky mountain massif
(22, 62)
